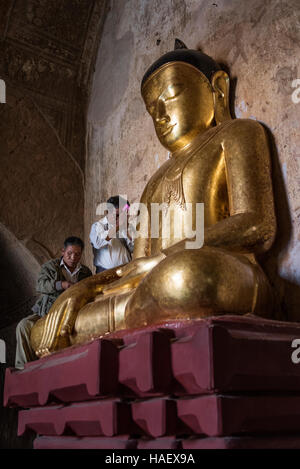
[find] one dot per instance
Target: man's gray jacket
(50, 274)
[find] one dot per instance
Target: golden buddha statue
(216, 160)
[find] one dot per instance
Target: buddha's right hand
(60, 320)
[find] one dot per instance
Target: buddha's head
(185, 92)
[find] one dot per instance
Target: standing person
(111, 245)
(56, 276)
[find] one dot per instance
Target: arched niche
(18, 274)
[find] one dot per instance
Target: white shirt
(112, 253)
(71, 277)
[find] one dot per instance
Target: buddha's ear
(220, 83)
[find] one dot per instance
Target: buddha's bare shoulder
(241, 129)
(243, 132)
(245, 143)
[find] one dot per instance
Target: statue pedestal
(222, 382)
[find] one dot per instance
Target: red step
(73, 442)
(218, 415)
(94, 418)
(215, 355)
(145, 364)
(156, 417)
(74, 374)
(167, 442)
(244, 442)
(233, 354)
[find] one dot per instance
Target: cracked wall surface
(42, 191)
(259, 43)
(48, 51)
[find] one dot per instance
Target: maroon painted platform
(94, 418)
(245, 442)
(219, 354)
(69, 442)
(173, 443)
(212, 415)
(156, 417)
(74, 374)
(215, 379)
(169, 442)
(220, 415)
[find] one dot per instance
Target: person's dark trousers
(99, 269)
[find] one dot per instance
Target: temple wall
(46, 61)
(259, 42)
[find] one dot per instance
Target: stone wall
(47, 55)
(258, 42)
(47, 52)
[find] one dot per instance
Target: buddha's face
(179, 99)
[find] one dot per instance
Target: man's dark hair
(117, 200)
(73, 241)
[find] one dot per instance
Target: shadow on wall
(18, 274)
(287, 293)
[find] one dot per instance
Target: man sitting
(56, 276)
(112, 246)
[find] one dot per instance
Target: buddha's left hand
(132, 273)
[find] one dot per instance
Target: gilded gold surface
(219, 161)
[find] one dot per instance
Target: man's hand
(113, 226)
(65, 285)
